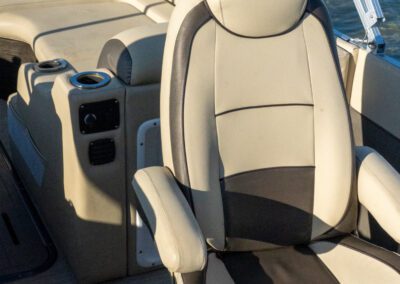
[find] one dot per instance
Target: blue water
(345, 19)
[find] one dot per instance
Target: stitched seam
(263, 106)
(266, 169)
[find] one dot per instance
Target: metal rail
(372, 16)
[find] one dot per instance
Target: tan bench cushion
(75, 30)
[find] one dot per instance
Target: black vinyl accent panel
(194, 20)
(380, 237)
(387, 257)
(370, 230)
(270, 205)
(12, 54)
(283, 265)
(368, 133)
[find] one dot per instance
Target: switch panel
(99, 116)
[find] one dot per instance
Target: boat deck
(23, 248)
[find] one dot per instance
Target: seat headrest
(257, 18)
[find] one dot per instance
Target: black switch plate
(99, 116)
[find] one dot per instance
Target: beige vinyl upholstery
(84, 206)
(256, 131)
(135, 55)
(348, 55)
(351, 265)
(235, 118)
(76, 30)
(233, 16)
(158, 11)
(379, 189)
(90, 210)
(176, 232)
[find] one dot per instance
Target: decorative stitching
(263, 106)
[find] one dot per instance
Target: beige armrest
(177, 234)
(135, 55)
(379, 190)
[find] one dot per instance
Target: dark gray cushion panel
(116, 57)
(283, 265)
(138, 63)
(270, 205)
(297, 264)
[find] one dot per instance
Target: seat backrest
(254, 121)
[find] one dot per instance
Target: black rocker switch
(90, 120)
(99, 116)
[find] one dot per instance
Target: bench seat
(75, 30)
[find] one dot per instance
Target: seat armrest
(177, 234)
(135, 55)
(379, 190)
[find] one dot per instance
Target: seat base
(284, 265)
(347, 259)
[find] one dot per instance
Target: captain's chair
(256, 135)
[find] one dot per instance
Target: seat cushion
(75, 30)
(340, 260)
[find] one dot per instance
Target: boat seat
(76, 30)
(261, 179)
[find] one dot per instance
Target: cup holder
(90, 80)
(50, 66)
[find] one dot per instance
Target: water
(345, 19)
